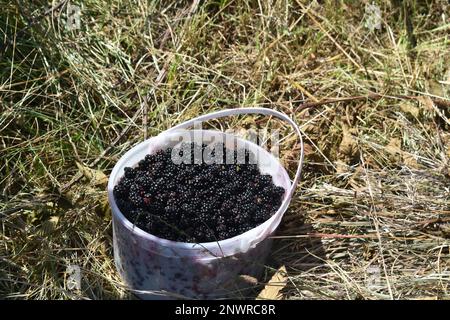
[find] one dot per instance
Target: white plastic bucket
(158, 268)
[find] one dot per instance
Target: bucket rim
(116, 213)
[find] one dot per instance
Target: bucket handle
(255, 110)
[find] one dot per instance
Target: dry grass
(371, 218)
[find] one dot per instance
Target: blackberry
(157, 168)
(265, 179)
(205, 218)
(221, 228)
(169, 175)
(144, 180)
(171, 209)
(136, 195)
(259, 216)
(188, 207)
(173, 200)
(120, 191)
(227, 205)
(222, 235)
(245, 227)
(247, 197)
(205, 207)
(248, 208)
(155, 207)
(130, 173)
(142, 165)
(278, 192)
(220, 220)
(195, 200)
(171, 185)
(161, 197)
(232, 231)
(124, 205)
(160, 156)
(215, 181)
(158, 184)
(249, 170)
(262, 198)
(236, 187)
(241, 218)
(223, 194)
(152, 158)
(212, 169)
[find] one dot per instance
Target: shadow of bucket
(156, 268)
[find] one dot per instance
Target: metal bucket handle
(265, 111)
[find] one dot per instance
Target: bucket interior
(266, 162)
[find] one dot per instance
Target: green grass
(375, 188)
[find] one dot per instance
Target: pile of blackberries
(197, 202)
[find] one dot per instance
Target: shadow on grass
(294, 250)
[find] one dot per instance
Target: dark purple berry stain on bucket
(199, 278)
(197, 202)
